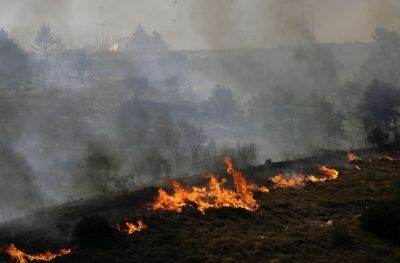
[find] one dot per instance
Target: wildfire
(132, 228)
(286, 181)
(299, 180)
(384, 157)
(389, 158)
(330, 174)
(352, 157)
(254, 187)
(213, 195)
(19, 256)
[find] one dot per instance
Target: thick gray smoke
(192, 24)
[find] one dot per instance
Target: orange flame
(213, 195)
(312, 178)
(330, 174)
(132, 228)
(389, 158)
(254, 187)
(20, 257)
(286, 181)
(352, 157)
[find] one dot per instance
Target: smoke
(192, 24)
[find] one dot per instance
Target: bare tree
(195, 140)
(170, 133)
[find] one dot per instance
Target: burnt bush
(94, 231)
(383, 220)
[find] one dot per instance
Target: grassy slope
(290, 226)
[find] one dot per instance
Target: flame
(352, 157)
(389, 158)
(312, 178)
(299, 180)
(20, 257)
(132, 228)
(254, 187)
(286, 181)
(330, 174)
(213, 195)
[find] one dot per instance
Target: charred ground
(291, 225)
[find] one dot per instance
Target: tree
(44, 46)
(379, 112)
(330, 120)
(170, 133)
(80, 63)
(158, 44)
(195, 140)
(277, 109)
(141, 43)
(320, 66)
(15, 72)
(318, 123)
(384, 61)
(222, 104)
(134, 122)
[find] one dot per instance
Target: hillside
(290, 225)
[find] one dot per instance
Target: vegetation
(320, 223)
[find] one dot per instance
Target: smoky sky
(202, 24)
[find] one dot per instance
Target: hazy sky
(198, 24)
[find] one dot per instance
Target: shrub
(94, 231)
(396, 190)
(383, 220)
(341, 235)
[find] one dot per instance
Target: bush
(383, 220)
(341, 235)
(396, 190)
(94, 231)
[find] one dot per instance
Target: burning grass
(213, 195)
(217, 223)
(19, 256)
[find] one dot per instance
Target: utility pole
(312, 21)
(102, 28)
